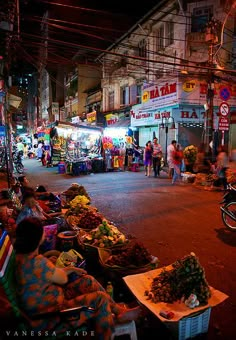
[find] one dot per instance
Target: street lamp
(167, 124)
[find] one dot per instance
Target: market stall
(84, 151)
(178, 295)
(60, 134)
(118, 148)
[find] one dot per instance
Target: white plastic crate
(190, 327)
(188, 178)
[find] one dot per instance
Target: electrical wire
(77, 7)
(96, 49)
(127, 46)
(89, 48)
(233, 6)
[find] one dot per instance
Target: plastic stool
(128, 328)
(135, 167)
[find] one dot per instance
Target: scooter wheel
(229, 210)
(19, 168)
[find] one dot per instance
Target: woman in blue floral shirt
(31, 208)
(43, 287)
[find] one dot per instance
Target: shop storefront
(73, 148)
(84, 147)
(177, 110)
(117, 142)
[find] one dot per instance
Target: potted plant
(190, 155)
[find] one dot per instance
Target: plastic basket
(104, 254)
(190, 327)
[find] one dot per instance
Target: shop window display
(115, 151)
(84, 153)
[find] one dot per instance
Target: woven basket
(104, 254)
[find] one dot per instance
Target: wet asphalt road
(170, 220)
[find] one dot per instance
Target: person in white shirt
(170, 151)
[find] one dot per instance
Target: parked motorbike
(228, 208)
(17, 161)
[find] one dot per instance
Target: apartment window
(111, 100)
(169, 33)
(160, 38)
(124, 95)
(139, 94)
(142, 48)
(133, 94)
(200, 17)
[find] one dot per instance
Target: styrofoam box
(189, 327)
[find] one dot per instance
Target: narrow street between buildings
(170, 220)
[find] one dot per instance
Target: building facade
(172, 72)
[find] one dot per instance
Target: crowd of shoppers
(175, 161)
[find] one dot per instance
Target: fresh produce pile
(83, 216)
(134, 254)
(187, 277)
(106, 235)
(75, 190)
(79, 200)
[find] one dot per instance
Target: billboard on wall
(184, 101)
(91, 117)
(141, 116)
(159, 95)
(194, 91)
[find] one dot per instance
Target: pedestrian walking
(156, 157)
(147, 156)
(177, 160)
(170, 161)
(136, 153)
(222, 164)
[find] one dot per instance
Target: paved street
(170, 220)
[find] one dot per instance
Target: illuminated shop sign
(159, 95)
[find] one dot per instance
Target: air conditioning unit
(6, 26)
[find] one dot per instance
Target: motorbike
(228, 207)
(17, 161)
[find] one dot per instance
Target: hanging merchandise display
(115, 143)
(84, 151)
(58, 149)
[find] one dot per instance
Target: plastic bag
(50, 237)
(69, 258)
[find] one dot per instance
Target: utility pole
(211, 38)
(208, 124)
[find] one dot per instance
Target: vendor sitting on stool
(31, 208)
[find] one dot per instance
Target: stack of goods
(84, 217)
(74, 190)
(131, 258)
(185, 278)
(106, 235)
(188, 177)
(230, 175)
(58, 149)
(207, 180)
(79, 200)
